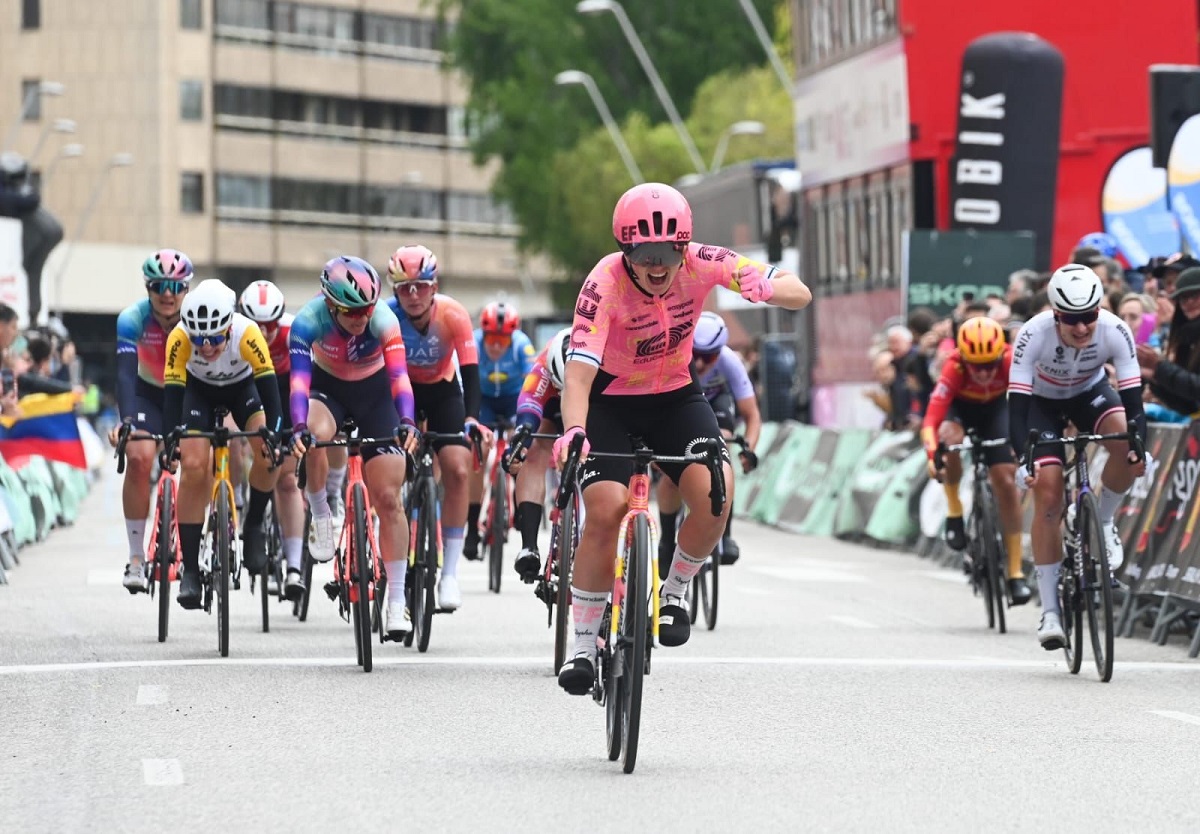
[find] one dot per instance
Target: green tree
(509, 52)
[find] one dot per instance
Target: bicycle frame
(166, 484)
(639, 504)
(342, 566)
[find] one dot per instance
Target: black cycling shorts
(725, 409)
(440, 405)
(148, 416)
(285, 401)
(670, 424)
(200, 398)
(369, 401)
(1086, 410)
(990, 422)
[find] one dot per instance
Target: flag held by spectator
(47, 427)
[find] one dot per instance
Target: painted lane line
(852, 621)
(1186, 718)
(162, 772)
(966, 662)
(151, 695)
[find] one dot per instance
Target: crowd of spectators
(38, 361)
(1160, 302)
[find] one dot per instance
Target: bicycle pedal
(331, 590)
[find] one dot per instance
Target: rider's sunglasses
(656, 253)
(497, 340)
(1072, 319)
(212, 340)
(415, 287)
(164, 287)
(704, 357)
(354, 312)
(985, 367)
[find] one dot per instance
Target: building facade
(266, 137)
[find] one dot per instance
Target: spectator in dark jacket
(1175, 377)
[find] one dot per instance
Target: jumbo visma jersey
(247, 354)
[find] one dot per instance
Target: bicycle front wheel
(1097, 586)
(980, 574)
(634, 635)
(300, 606)
(164, 559)
(425, 580)
(222, 556)
(709, 576)
(498, 524)
(992, 549)
(360, 578)
(562, 555)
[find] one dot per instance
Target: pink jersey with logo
(643, 341)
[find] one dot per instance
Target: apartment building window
(311, 108)
(31, 98)
(191, 14)
(191, 192)
(414, 33)
(241, 191)
(191, 100)
(315, 21)
(245, 14)
(31, 14)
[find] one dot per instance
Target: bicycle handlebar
(968, 445)
(1083, 439)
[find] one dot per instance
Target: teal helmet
(167, 265)
(350, 282)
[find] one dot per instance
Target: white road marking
(800, 573)
(851, 621)
(972, 662)
(150, 695)
(162, 772)
(106, 576)
(1186, 718)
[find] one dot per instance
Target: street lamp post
(45, 88)
(589, 84)
(71, 151)
(765, 41)
(746, 128)
(58, 126)
(631, 35)
(119, 160)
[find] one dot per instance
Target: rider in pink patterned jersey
(627, 375)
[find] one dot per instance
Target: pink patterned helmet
(653, 224)
(350, 282)
(412, 263)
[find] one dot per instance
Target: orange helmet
(980, 340)
(499, 317)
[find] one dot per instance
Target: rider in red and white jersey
(627, 375)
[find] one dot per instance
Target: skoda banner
(1135, 208)
(1183, 175)
(1005, 166)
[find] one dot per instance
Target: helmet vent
(644, 228)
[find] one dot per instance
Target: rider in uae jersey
(431, 353)
(728, 373)
(1042, 366)
(141, 353)
(642, 343)
(280, 356)
(538, 393)
(317, 339)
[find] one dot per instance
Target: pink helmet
(652, 213)
(412, 263)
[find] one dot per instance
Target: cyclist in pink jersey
(436, 330)
(627, 375)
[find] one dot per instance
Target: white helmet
(556, 357)
(263, 302)
(208, 309)
(1075, 288)
(711, 333)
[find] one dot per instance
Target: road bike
(985, 542)
(629, 629)
(498, 518)
(1085, 583)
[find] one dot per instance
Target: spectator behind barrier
(1175, 377)
(1137, 311)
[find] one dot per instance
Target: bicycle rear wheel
(498, 525)
(563, 553)
(1072, 616)
(634, 635)
(992, 552)
(164, 559)
(1097, 586)
(980, 575)
(264, 582)
(300, 607)
(360, 578)
(222, 543)
(424, 572)
(709, 577)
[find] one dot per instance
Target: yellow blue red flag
(47, 427)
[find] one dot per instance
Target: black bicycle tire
(263, 581)
(221, 553)
(1098, 598)
(993, 551)
(1070, 615)
(711, 588)
(614, 688)
(565, 547)
(360, 577)
(691, 595)
(306, 570)
(498, 524)
(164, 560)
(635, 632)
(980, 577)
(427, 556)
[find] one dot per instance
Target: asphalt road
(844, 688)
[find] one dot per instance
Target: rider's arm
(748, 408)
(526, 353)
(179, 350)
(129, 331)
(468, 357)
(1129, 377)
(578, 387)
(947, 388)
(254, 349)
(300, 379)
(787, 290)
(1020, 386)
(396, 362)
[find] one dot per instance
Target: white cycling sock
(452, 548)
(683, 569)
(135, 529)
(293, 551)
(1109, 502)
(318, 502)
(395, 581)
(587, 610)
(1047, 579)
(334, 481)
